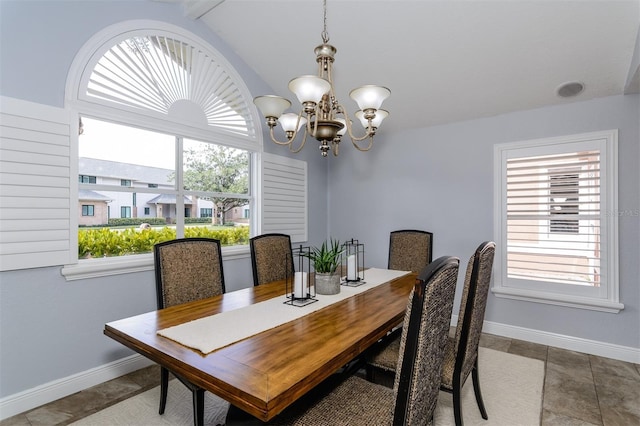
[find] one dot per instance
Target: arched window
(165, 144)
(167, 75)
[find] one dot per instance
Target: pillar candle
(352, 273)
(300, 285)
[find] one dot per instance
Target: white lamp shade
(370, 97)
(309, 88)
(289, 121)
(380, 115)
(271, 105)
(344, 129)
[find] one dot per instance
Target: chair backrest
(410, 250)
(423, 342)
(271, 256)
(472, 307)
(187, 269)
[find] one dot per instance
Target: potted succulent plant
(326, 260)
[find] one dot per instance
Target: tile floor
(579, 389)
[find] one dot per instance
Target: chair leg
(457, 399)
(476, 390)
(164, 387)
(198, 407)
(457, 406)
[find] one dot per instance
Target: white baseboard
(592, 347)
(48, 392)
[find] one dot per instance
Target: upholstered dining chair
(461, 356)
(187, 269)
(271, 256)
(412, 401)
(410, 250)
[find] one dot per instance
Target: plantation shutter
(284, 196)
(171, 76)
(553, 217)
(35, 173)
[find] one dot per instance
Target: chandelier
(322, 116)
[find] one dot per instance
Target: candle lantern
(299, 288)
(353, 263)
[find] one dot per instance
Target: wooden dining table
(265, 373)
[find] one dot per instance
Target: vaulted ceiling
(444, 60)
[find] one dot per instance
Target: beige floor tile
(552, 419)
(566, 396)
(575, 364)
(497, 343)
(619, 399)
(19, 420)
(528, 349)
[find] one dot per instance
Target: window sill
(558, 299)
(109, 266)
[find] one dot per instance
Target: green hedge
(129, 221)
(197, 220)
(106, 242)
(136, 221)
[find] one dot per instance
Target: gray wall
(441, 179)
(50, 328)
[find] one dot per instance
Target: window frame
(88, 209)
(79, 104)
(605, 298)
(125, 212)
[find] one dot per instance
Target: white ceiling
(443, 60)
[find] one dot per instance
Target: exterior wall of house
(138, 202)
(100, 213)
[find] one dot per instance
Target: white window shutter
(553, 217)
(284, 196)
(556, 221)
(35, 173)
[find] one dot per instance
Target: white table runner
(217, 331)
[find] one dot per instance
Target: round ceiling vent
(572, 88)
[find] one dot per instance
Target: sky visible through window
(114, 142)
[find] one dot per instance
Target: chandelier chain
(325, 34)
(320, 107)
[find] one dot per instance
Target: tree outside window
(217, 169)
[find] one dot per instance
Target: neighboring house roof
(167, 199)
(114, 169)
(88, 195)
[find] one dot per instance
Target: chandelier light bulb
(289, 121)
(309, 88)
(271, 105)
(342, 131)
(381, 114)
(369, 96)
